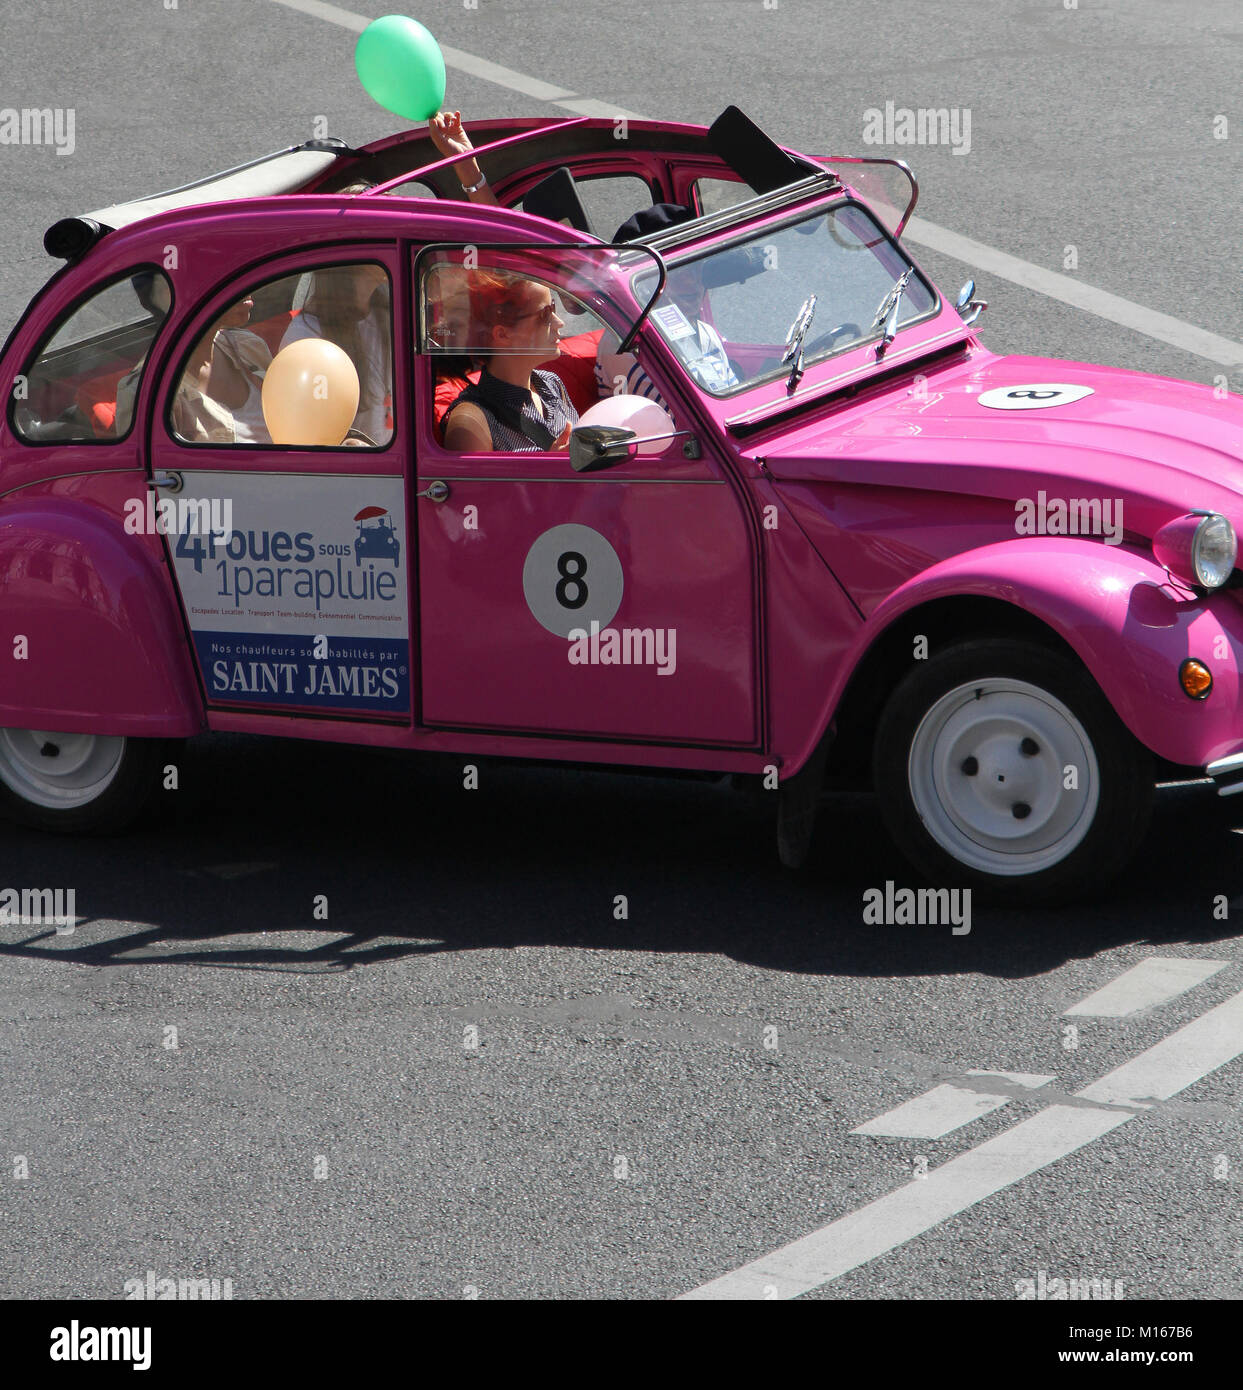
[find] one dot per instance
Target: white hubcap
(1004, 777)
(58, 771)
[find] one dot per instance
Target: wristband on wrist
(475, 187)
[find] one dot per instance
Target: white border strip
(1176, 1062)
(482, 68)
(334, 14)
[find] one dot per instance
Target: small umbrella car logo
(376, 538)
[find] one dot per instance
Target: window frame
(701, 210)
(304, 262)
(425, 375)
(98, 288)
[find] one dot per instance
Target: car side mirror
(593, 447)
(969, 308)
(599, 446)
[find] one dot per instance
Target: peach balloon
(632, 413)
(310, 394)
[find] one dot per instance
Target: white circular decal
(572, 578)
(1034, 396)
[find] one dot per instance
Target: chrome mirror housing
(968, 306)
(599, 446)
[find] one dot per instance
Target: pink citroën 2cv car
(1001, 591)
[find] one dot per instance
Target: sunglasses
(546, 313)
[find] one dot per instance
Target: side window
(304, 361)
(523, 345)
(518, 334)
(714, 195)
(84, 379)
(612, 199)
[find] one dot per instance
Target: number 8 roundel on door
(572, 578)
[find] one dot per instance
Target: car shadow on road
(406, 858)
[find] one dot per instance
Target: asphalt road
(621, 1125)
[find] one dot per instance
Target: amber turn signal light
(1195, 679)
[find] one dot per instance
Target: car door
(616, 603)
(287, 537)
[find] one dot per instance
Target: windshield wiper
(887, 315)
(794, 341)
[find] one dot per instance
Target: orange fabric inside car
(97, 400)
(273, 330)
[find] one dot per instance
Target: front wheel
(1001, 766)
(79, 784)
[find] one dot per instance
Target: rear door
(292, 559)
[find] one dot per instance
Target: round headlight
(1213, 551)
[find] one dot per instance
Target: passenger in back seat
(219, 399)
(349, 305)
(238, 362)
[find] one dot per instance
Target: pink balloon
(632, 413)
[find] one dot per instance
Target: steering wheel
(823, 340)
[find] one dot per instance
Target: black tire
(1097, 848)
(137, 775)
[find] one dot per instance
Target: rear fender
(91, 638)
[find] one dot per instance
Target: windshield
(727, 315)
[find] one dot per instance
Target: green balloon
(401, 66)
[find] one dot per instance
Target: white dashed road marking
(1176, 1062)
(334, 14)
(975, 254)
(1153, 981)
(1150, 322)
(902, 1215)
(1157, 1074)
(945, 1108)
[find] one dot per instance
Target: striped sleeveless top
(504, 405)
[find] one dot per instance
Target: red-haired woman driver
(514, 407)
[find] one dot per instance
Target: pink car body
(800, 552)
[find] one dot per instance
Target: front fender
(1118, 610)
(104, 650)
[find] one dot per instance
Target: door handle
(435, 492)
(174, 482)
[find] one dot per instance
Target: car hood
(1165, 446)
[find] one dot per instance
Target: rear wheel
(78, 784)
(1000, 765)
